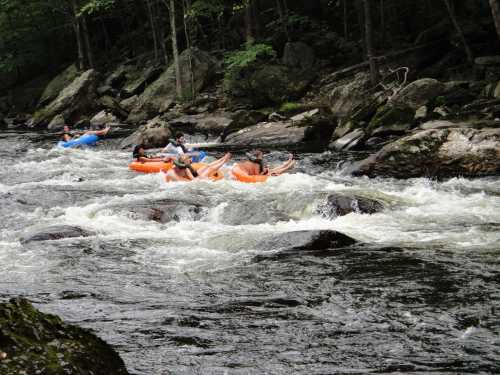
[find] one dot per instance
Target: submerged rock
(447, 152)
(55, 232)
(307, 240)
(38, 343)
(166, 211)
(343, 204)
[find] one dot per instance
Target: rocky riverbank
(424, 127)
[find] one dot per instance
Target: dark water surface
(420, 295)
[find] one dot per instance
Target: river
(419, 294)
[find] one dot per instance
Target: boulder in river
(156, 133)
(76, 99)
(55, 232)
(340, 204)
(38, 343)
(310, 132)
(165, 211)
(57, 123)
(210, 124)
(241, 119)
(103, 118)
(442, 153)
(307, 240)
(58, 84)
(158, 97)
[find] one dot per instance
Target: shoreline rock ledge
(437, 153)
(36, 343)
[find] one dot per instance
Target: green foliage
(97, 6)
(289, 107)
(241, 59)
(204, 8)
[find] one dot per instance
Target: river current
(420, 294)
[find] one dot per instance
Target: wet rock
(103, 118)
(348, 141)
(38, 343)
(298, 55)
(76, 99)
(242, 119)
(58, 84)
(57, 123)
(160, 95)
(343, 204)
(268, 134)
(307, 240)
(156, 133)
(212, 124)
(55, 232)
(166, 211)
(442, 153)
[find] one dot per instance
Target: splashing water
(192, 294)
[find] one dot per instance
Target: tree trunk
(374, 75)
(346, 30)
(248, 23)
(153, 29)
(78, 35)
(88, 47)
(187, 5)
(175, 50)
(495, 11)
(451, 13)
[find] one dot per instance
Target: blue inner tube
(196, 156)
(84, 140)
(199, 156)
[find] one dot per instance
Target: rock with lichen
(38, 343)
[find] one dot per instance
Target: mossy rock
(57, 84)
(38, 343)
(391, 115)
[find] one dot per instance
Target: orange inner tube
(151, 167)
(244, 177)
(219, 175)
